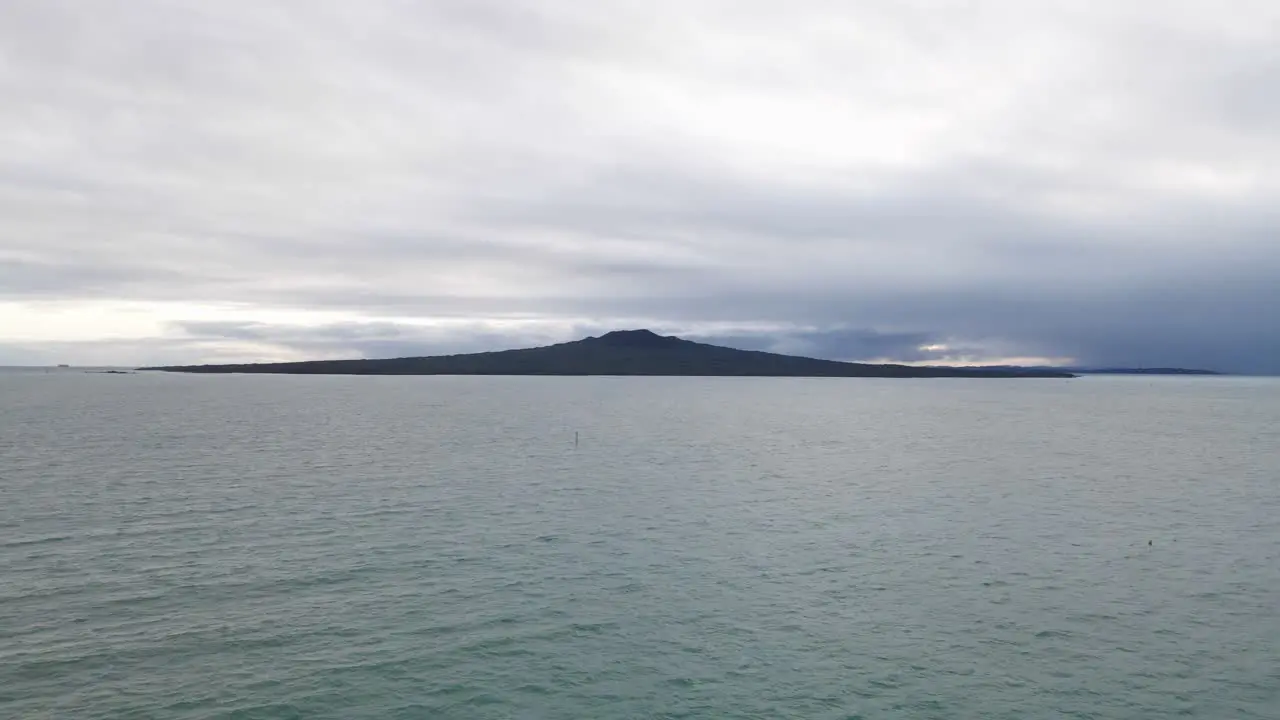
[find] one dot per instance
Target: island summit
(623, 352)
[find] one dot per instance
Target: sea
(369, 548)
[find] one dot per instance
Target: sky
(877, 180)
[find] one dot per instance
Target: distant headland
(1139, 371)
(1089, 370)
(622, 352)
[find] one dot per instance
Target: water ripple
(242, 547)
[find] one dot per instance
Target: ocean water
(362, 547)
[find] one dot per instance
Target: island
(622, 352)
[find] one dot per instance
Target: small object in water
(1148, 543)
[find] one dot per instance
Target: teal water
(360, 548)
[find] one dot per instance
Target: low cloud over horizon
(187, 182)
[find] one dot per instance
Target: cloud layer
(188, 181)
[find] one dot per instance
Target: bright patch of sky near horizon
(912, 181)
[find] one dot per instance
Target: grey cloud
(51, 279)
(1088, 181)
(362, 339)
(852, 344)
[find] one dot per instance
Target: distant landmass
(1083, 370)
(1141, 371)
(623, 352)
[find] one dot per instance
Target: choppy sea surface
(358, 548)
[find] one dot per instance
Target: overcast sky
(186, 181)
